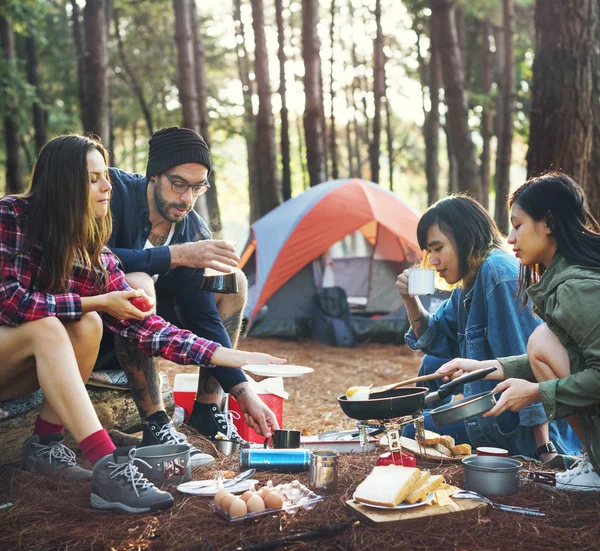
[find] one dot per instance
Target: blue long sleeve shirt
(131, 228)
(485, 322)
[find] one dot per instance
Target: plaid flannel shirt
(22, 300)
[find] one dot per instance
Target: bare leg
(40, 354)
(140, 369)
(549, 360)
(231, 310)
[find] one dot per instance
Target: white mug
(421, 281)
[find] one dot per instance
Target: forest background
(420, 96)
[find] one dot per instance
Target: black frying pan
(404, 401)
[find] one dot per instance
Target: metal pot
(404, 401)
(165, 463)
(491, 476)
(463, 409)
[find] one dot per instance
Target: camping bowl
(491, 476)
(165, 463)
(227, 447)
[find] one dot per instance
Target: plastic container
(295, 496)
(275, 404)
(402, 458)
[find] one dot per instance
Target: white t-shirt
(149, 245)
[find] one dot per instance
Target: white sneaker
(581, 477)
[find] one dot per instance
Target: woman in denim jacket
(557, 241)
(481, 320)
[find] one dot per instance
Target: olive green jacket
(567, 298)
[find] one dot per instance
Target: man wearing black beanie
(164, 246)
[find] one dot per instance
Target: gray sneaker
(155, 434)
(52, 458)
(117, 485)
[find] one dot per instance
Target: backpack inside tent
(347, 234)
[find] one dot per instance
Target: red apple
(142, 303)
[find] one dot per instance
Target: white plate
(200, 488)
(272, 370)
(400, 505)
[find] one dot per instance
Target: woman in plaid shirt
(58, 285)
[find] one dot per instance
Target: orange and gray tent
(284, 242)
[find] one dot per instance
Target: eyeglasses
(179, 186)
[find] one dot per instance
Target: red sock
(43, 428)
(97, 445)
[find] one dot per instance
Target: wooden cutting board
(445, 506)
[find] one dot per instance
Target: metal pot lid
(491, 464)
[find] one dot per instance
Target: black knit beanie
(176, 146)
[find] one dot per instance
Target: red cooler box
(275, 404)
(184, 391)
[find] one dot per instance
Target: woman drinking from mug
(481, 320)
(557, 242)
(58, 283)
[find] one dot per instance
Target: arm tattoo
(141, 374)
(233, 326)
(418, 326)
(239, 392)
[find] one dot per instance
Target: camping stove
(393, 429)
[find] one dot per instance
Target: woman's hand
(402, 285)
(516, 394)
(118, 305)
(237, 358)
(459, 366)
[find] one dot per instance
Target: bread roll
(443, 449)
(387, 486)
(461, 449)
(423, 491)
(431, 438)
(447, 441)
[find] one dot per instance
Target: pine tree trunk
(79, 56)
(186, 81)
(14, 163)
(561, 123)
(390, 135)
(430, 79)
(38, 113)
(378, 85)
(270, 196)
(505, 122)
(313, 122)
(188, 95)
(285, 123)
(212, 201)
(456, 99)
(96, 111)
(332, 131)
(350, 111)
(486, 114)
(250, 126)
(594, 167)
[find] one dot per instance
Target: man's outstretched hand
(257, 414)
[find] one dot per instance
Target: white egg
(360, 394)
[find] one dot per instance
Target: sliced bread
(387, 486)
(431, 438)
(423, 491)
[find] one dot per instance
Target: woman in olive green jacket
(557, 241)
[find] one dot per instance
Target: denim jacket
(484, 322)
(131, 228)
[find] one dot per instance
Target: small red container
(492, 452)
(404, 459)
(275, 404)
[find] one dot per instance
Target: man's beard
(163, 207)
